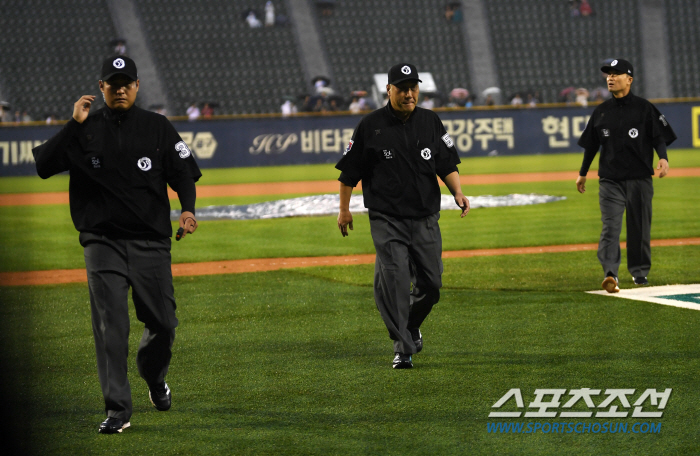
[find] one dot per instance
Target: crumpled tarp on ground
(328, 205)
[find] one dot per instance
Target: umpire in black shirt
(121, 159)
(396, 152)
(626, 129)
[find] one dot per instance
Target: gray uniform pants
(635, 196)
(114, 265)
(408, 252)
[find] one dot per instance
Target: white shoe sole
(124, 426)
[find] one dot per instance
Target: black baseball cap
(619, 65)
(403, 72)
(119, 64)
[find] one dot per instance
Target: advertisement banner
(228, 143)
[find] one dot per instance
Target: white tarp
(328, 205)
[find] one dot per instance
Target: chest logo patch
(387, 154)
(182, 149)
(96, 163)
(347, 149)
(425, 153)
(144, 164)
(447, 140)
(634, 133)
(606, 132)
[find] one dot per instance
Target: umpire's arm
(344, 216)
(52, 157)
(455, 187)
(187, 194)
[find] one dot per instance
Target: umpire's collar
(624, 101)
(392, 112)
(118, 116)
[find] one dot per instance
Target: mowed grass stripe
(544, 163)
(284, 188)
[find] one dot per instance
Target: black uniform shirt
(119, 164)
(398, 162)
(626, 130)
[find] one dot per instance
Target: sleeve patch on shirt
(448, 141)
(663, 120)
(183, 150)
(347, 149)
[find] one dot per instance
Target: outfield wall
(241, 142)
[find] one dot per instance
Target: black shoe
(417, 339)
(113, 426)
(641, 281)
(160, 397)
(402, 361)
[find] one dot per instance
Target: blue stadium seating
(205, 52)
(50, 53)
(364, 37)
(539, 47)
(683, 25)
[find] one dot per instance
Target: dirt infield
(60, 276)
(286, 188)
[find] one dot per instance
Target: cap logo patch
(182, 148)
(406, 69)
(447, 140)
(144, 163)
(425, 153)
(119, 64)
(634, 133)
(613, 63)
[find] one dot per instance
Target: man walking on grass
(121, 159)
(397, 152)
(626, 129)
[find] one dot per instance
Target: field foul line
(61, 276)
(658, 295)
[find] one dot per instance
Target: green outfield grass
(679, 158)
(43, 237)
(298, 361)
